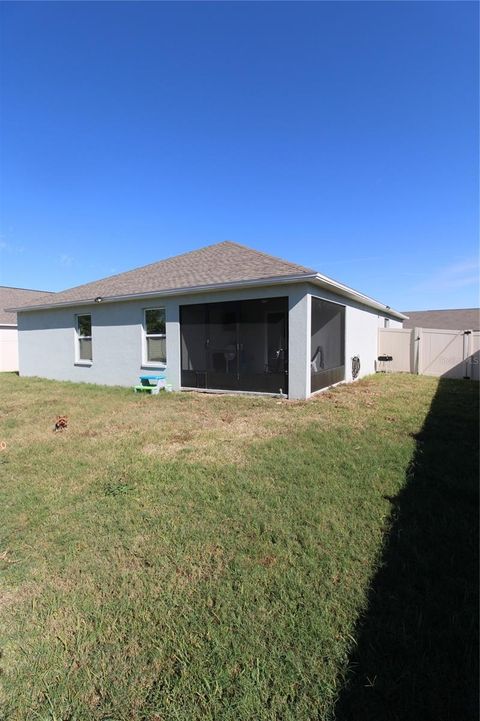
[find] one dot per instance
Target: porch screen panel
(194, 345)
(328, 344)
(263, 336)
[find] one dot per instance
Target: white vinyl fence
(432, 352)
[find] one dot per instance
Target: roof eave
(192, 290)
(325, 282)
(316, 278)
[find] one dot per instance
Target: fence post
(466, 352)
(413, 351)
(417, 350)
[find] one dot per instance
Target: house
(222, 318)
(8, 323)
(453, 319)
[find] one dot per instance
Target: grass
(187, 557)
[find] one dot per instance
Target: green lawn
(187, 557)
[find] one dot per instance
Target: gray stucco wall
(47, 339)
(361, 331)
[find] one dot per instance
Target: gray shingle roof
(215, 264)
(452, 319)
(14, 297)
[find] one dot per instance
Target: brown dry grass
(223, 428)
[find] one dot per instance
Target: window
(386, 322)
(84, 334)
(155, 338)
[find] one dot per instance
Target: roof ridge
(440, 310)
(266, 255)
(30, 290)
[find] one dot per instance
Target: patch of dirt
(210, 566)
(221, 437)
(10, 597)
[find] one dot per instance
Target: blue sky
(343, 136)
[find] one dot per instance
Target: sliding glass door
(239, 345)
(328, 344)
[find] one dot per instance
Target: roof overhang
(335, 287)
(316, 278)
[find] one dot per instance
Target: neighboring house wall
(8, 348)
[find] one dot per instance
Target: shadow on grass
(416, 657)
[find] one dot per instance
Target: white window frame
(82, 361)
(145, 362)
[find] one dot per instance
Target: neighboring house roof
(222, 265)
(451, 319)
(13, 297)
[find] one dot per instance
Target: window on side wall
(155, 336)
(84, 337)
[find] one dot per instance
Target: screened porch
(235, 345)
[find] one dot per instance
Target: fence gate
(432, 352)
(397, 342)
